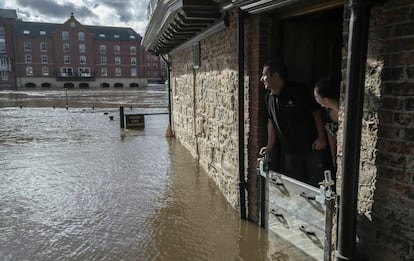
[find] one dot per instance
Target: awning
(174, 22)
(295, 7)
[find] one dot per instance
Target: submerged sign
(134, 121)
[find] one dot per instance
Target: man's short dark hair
(277, 66)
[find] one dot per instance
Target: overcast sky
(120, 13)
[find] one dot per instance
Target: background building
(72, 55)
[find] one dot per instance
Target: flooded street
(74, 186)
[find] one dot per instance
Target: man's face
(269, 80)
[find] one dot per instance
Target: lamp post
(66, 94)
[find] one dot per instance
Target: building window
(2, 46)
(102, 35)
(84, 72)
(29, 71)
(65, 36)
(103, 59)
(27, 46)
(104, 72)
(133, 72)
(133, 50)
(82, 59)
(102, 49)
(4, 65)
(28, 58)
(66, 48)
(133, 61)
(66, 59)
(4, 76)
(42, 32)
(45, 71)
(66, 71)
(132, 37)
(117, 60)
(81, 36)
(44, 58)
(43, 47)
(82, 48)
(118, 72)
(26, 32)
(117, 49)
(116, 36)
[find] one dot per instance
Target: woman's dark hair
(329, 87)
(277, 66)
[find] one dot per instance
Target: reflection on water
(152, 96)
(74, 186)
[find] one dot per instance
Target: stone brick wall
(205, 108)
(386, 185)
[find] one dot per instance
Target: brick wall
(386, 185)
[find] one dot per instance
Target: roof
(33, 29)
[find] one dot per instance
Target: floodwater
(74, 186)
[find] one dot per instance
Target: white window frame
(82, 48)
(29, 70)
(4, 76)
(66, 47)
(28, 58)
(134, 72)
(84, 71)
(133, 61)
(81, 36)
(117, 60)
(102, 49)
(65, 36)
(104, 72)
(44, 58)
(117, 49)
(118, 72)
(132, 50)
(27, 46)
(66, 59)
(104, 60)
(66, 71)
(45, 71)
(82, 59)
(43, 47)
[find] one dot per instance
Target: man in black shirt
(294, 122)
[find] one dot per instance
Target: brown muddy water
(74, 186)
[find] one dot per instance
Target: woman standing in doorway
(326, 93)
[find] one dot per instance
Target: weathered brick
(404, 29)
(403, 58)
(386, 172)
(389, 16)
(391, 103)
(391, 73)
(409, 104)
(409, 134)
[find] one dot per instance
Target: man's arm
(320, 142)
(271, 138)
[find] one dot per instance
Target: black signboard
(134, 121)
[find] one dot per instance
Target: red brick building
(73, 55)
(7, 55)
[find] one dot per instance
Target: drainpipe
(355, 78)
(240, 54)
(169, 131)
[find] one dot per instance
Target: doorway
(311, 47)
